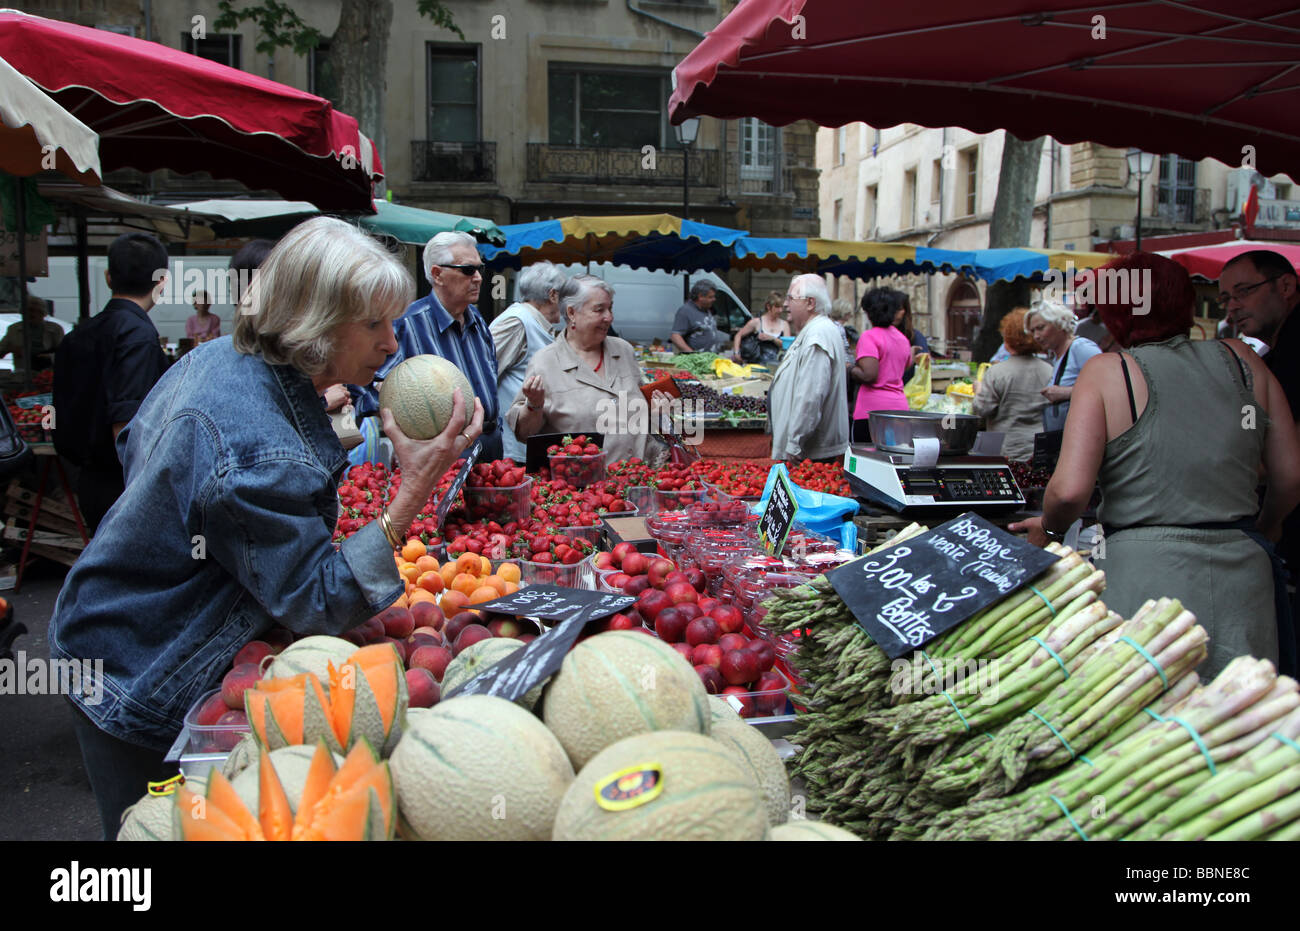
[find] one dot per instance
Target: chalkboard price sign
(778, 517)
(444, 503)
(909, 594)
(531, 664)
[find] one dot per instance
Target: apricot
(426, 564)
(465, 583)
(508, 571)
(431, 582)
(413, 550)
(419, 595)
(469, 563)
(498, 583)
(448, 571)
(409, 572)
(453, 602)
(486, 565)
(483, 593)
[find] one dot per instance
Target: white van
(645, 302)
(189, 273)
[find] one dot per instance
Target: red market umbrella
(1202, 79)
(1208, 261)
(155, 107)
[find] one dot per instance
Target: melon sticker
(630, 787)
(167, 786)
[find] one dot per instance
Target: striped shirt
(427, 328)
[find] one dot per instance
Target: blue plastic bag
(819, 512)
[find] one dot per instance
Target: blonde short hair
(324, 273)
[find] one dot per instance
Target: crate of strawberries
(576, 461)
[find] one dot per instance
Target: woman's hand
(424, 461)
(1034, 527)
(1056, 393)
(335, 397)
(534, 391)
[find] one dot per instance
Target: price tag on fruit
(530, 665)
(444, 503)
(909, 594)
(778, 517)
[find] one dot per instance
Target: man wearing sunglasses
(446, 323)
(1258, 290)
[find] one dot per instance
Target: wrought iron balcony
(574, 164)
(474, 162)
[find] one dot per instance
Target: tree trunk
(1010, 226)
(359, 53)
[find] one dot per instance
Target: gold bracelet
(386, 525)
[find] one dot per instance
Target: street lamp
(1140, 164)
(686, 132)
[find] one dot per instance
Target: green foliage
(280, 27)
(440, 15)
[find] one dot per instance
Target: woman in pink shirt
(203, 325)
(883, 354)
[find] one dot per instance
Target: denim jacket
(224, 530)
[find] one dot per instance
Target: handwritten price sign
(909, 594)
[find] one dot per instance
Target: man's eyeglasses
(469, 271)
(1223, 300)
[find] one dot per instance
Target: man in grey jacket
(808, 401)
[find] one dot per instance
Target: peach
(398, 622)
(427, 614)
(506, 627)
(470, 635)
(243, 676)
(278, 638)
(399, 646)
(422, 688)
(254, 652)
(434, 659)
(211, 710)
(458, 622)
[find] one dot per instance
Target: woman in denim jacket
(232, 471)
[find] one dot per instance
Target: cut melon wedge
(354, 802)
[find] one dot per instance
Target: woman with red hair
(1176, 432)
(1010, 396)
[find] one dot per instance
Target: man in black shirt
(104, 369)
(1259, 291)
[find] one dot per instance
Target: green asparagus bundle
(953, 779)
(1019, 679)
(1105, 692)
(1139, 775)
(1263, 782)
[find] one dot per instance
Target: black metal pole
(21, 203)
(83, 269)
(1137, 247)
(686, 208)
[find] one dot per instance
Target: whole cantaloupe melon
(703, 793)
(291, 764)
(810, 830)
(619, 684)
(758, 755)
(478, 768)
(151, 817)
(310, 654)
(419, 393)
(721, 711)
(475, 658)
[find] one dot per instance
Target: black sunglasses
(467, 270)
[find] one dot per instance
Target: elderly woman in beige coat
(587, 381)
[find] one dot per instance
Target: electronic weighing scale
(953, 484)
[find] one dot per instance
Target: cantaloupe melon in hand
(478, 768)
(419, 393)
(618, 684)
(668, 785)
